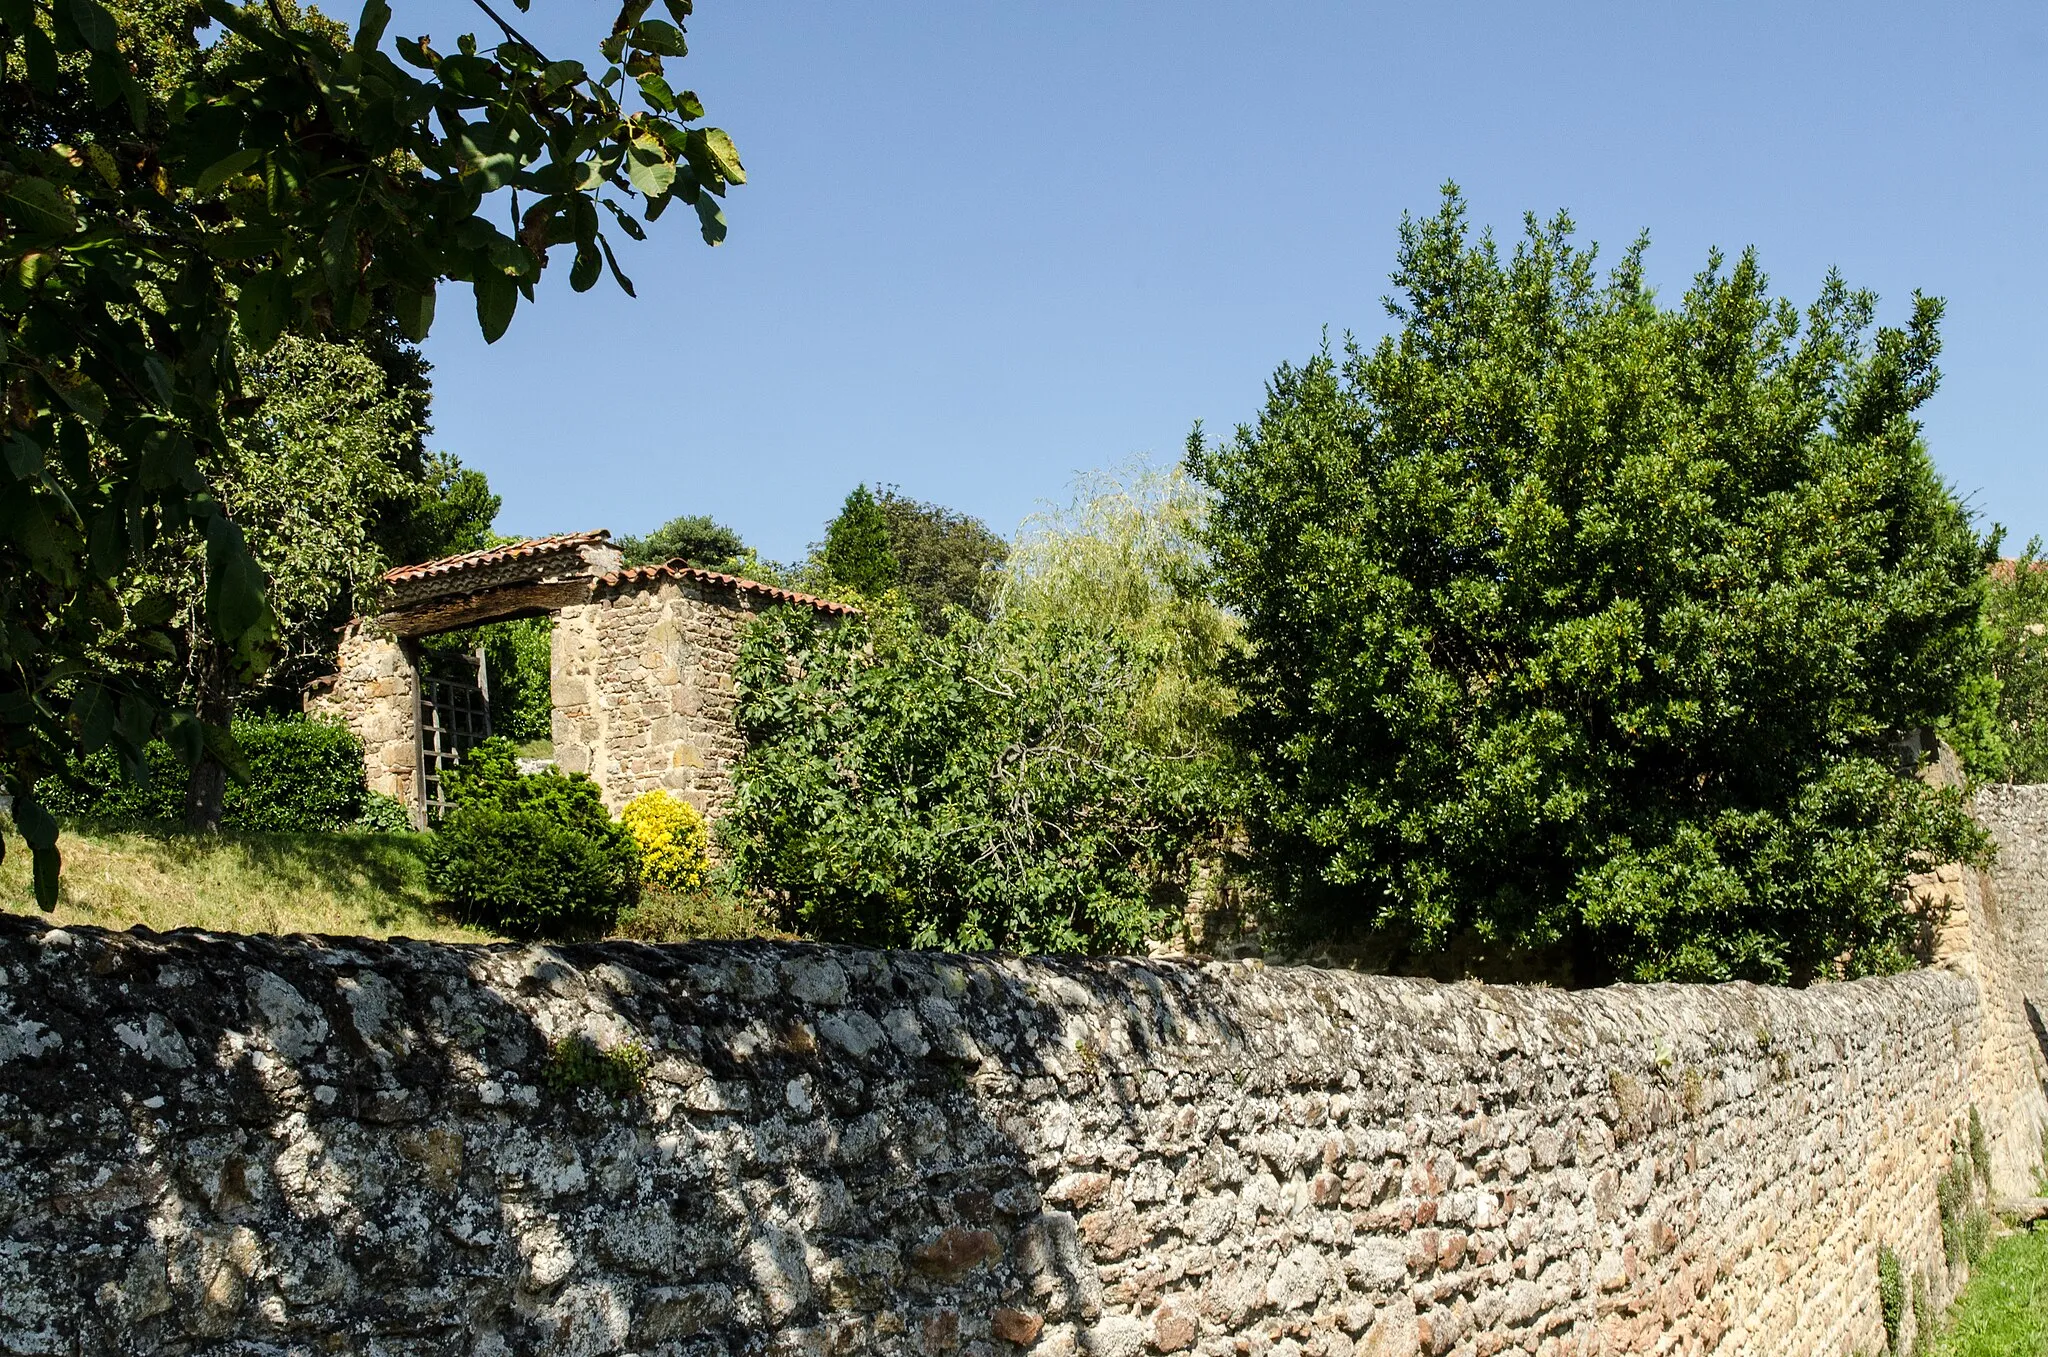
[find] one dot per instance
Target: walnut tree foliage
(1583, 624)
(158, 223)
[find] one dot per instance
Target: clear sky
(985, 246)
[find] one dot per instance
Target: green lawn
(359, 885)
(347, 885)
(2003, 1312)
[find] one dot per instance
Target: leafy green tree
(1580, 623)
(448, 510)
(2016, 614)
(302, 474)
(696, 538)
(295, 185)
(981, 788)
(855, 553)
(944, 558)
(1128, 554)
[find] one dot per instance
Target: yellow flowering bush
(674, 844)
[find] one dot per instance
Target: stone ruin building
(641, 668)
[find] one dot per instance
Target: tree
(695, 538)
(1580, 623)
(302, 474)
(1128, 554)
(855, 554)
(294, 185)
(2017, 616)
(944, 558)
(449, 510)
(984, 788)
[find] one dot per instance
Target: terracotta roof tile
(682, 570)
(512, 551)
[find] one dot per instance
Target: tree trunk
(214, 704)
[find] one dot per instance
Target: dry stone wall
(643, 689)
(215, 1145)
(2018, 820)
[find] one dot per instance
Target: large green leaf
(37, 210)
(649, 172)
(263, 308)
(661, 37)
(495, 299)
(39, 831)
(414, 308)
(237, 608)
(711, 146)
(224, 169)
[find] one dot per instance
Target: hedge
(303, 776)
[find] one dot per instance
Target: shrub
(696, 916)
(383, 815)
(673, 842)
(985, 788)
(304, 776)
(1588, 626)
(1891, 1295)
(533, 856)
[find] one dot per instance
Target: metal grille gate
(455, 715)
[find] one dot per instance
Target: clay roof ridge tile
(682, 569)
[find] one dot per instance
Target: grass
(344, 885)
(356, 885)
(2003, 1312)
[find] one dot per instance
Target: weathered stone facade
(643, 687)
(375, 691)
(641, 671)
(254, 1145)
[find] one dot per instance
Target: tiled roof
(682, 570)
(2004, 569)
(515, 551)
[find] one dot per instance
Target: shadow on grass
(380, 876)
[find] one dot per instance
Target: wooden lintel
(525, 599)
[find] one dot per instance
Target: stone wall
(248, 1145)
(2018, 820)
(643, 688)
(376, 692)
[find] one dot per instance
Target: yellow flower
(674, 845)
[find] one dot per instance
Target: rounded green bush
(532, 855)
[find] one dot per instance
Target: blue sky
(985, 246)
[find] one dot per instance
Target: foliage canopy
(1580, 623)
(981, 788)
(944, 558)
(699, 539)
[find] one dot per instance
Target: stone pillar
(377, 694)
(576, 721)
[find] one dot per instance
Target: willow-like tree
(303, 186)
(1583, 624)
